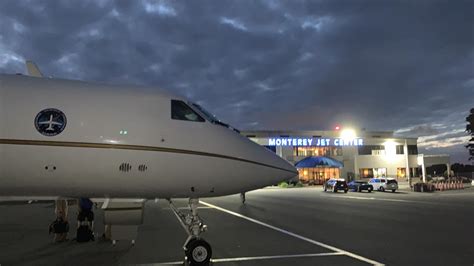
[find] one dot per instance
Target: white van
(383, 184)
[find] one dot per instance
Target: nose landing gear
(196, 249)
(198, 252)
(242, 197)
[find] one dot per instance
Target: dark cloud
(264, 64)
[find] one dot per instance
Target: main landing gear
(196, 249)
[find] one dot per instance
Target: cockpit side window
(181, 111)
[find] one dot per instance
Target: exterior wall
(389, 162)
(351, 159)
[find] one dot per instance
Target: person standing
(85, 221)
(60, 227)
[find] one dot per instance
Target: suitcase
(84, 234)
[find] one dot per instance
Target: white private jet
(71, 139)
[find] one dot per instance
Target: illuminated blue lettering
(316, 142)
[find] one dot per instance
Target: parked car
(335, 185)
(359, 186)
(383, 184)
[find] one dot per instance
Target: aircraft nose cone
(288, 171)
(281, 169)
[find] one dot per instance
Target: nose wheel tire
(198, 252)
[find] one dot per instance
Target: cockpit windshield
(212, 118)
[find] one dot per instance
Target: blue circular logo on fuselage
(50, 122)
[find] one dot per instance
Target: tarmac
(293, 226)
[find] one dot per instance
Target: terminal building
(321, 155)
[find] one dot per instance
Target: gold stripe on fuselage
(129, 147)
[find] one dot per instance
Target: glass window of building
(181, 111)
(401, 172)
(415, 172)
(372, 172)
(412, 149)
(311, 151)
(317, 151)
(400, 149)
(371, 150)
(366, 173)
(380, 172)
(317, 175)
(378, 152)
(364, 150)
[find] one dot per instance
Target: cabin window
(181, 111)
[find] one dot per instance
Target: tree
(462, 168)
(470, 130)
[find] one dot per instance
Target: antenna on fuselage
(33, 69)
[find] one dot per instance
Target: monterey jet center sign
(318, 142)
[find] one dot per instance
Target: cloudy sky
(406, 66)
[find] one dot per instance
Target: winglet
(33, 70)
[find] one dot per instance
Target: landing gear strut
(242, 197)
(196, 249)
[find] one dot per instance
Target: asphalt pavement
(297, 226)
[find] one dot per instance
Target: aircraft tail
(33, 69)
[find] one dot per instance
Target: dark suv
(336, 184)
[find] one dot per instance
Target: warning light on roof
(337, 128)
